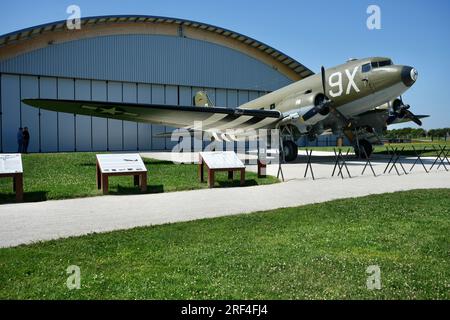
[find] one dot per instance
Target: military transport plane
(357, 99)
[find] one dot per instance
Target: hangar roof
(285, 64)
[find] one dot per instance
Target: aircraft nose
(409, 75)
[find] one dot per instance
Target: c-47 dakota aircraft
(357, 99)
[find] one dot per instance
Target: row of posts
(440, 159)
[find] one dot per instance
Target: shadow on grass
(36, 196)
(235, 183)
(87, 164)
(155, 162)
(39, 196)
(121, 190)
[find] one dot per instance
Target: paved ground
(31, 222)
(323, 164)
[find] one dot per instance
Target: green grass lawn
(71, 175)
(309, 252)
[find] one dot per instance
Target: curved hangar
(141, 59)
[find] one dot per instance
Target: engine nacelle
(396, 104)
(309, 108)
(297, 101)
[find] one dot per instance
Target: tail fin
(201, 99)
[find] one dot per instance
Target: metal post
(336, 162)
(368, 162)
(397, 158)
(419, 159)
(309, 165)
(391, 159)
(439, 154)
(280, 155)
(444, 156)
(343, 163)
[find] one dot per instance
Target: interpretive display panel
(121, 165)
(11, 167)
(110, 163)
(11, 163)
(220, 161)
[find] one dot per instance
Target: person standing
(20, 140)
(26, 139)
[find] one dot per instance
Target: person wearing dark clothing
(20, 140)
(26, 139)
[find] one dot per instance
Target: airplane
(358, 99)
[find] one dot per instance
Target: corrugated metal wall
(52, 131)
(149, 59)
(146, 69)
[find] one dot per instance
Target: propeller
(323, 106)
(413, 117)
(328, 102)
(401, 111)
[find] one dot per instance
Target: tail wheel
(365, 149)
(290, 150)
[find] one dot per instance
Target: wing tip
(31, 102)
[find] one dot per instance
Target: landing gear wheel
(366, 146)
(290, 150)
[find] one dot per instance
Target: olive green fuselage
(351, 89)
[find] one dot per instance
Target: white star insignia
(111, 111)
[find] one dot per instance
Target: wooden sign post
(11, 166)
(120, 165)
(220, 161)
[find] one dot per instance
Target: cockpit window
(382, 63)
(366, 67)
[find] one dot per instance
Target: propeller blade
(413, 117)
(322, 71)
(322, 109)
(325, 106)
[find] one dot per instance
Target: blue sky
(319, 32)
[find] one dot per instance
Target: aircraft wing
(381, 117)
(402, 120)
(212, 118)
